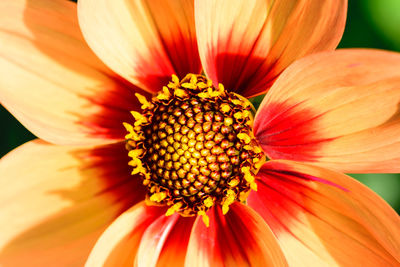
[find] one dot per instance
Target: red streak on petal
(175, 246)
(282, 196)
(114, 105)
(117, 102)
(243, 74)
(112, 169)
(285, 133)
(181, 53)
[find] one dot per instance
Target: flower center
(194, 146)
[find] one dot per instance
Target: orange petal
(324, 218)
(59, 199)
(239, 238)
(52, 82)
(165, 241)
(175, 247)
(143, 41)
(339, 110)
(245, 45)
(143, 236)
(118, 245)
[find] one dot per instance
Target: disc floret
(194, 147)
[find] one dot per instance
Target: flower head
(156, 157)
(194, 146)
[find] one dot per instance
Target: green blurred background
(370, 23)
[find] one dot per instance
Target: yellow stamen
(179, 93)
(244, 102)
(234, 182)
(128, 127)
(249, 177)
(147, 178)
(131, 132)
(237, 102)
(210, 93)
(260, 163)
(193, 79)
(243, 195)
(139, 169)
(221, 88)
(135, 153)
(137, 163)
(203, 95)
(153, 189)
(206, 219)
(242, 114)
(134, 136)
(245, 137)
(143, 101)
(139, 118)
(174, 208)
(175, 79)
(175, 82)
(209, 202)
(192, 84)
(164, 95)
(230, 198)
(253, 186)
(202, 85)
(158, 197)
(214, 93)
(189, 85)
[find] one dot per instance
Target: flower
(72, 189)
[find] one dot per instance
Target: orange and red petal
(175, 247)
(143, 236)
(59, 199)
(119, 244)
(322, 217)
(239, 238)
(165, 241)
(245, 45)
(336, 109)
(144, 41)
(52, 82)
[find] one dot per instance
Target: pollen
(194, 147)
